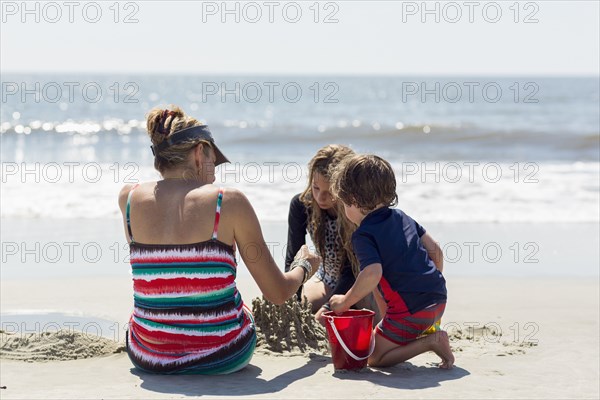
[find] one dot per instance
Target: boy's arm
(434, 250)
(365, 283)
(345, 280)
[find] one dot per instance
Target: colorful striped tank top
(188, 316)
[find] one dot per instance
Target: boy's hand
(337, 303)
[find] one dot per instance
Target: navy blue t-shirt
(410, 279)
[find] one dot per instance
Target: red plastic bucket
(351, 338)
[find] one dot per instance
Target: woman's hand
(337, 303)
(312, 258)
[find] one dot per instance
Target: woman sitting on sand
(188, 316)
(317, 212)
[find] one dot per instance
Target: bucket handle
(346, 349)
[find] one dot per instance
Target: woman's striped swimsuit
(188, 317)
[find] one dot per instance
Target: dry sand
(513, 338)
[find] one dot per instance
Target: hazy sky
(374, 37)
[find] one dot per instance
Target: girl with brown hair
(315, 211)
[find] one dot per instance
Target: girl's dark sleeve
(297, 223)
(345, 281)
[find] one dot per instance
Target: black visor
(184, 135)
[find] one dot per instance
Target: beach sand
(533, 338)
(518, 330)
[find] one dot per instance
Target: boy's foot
(441, 347)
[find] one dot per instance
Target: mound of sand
(290, 327)
(55, 346)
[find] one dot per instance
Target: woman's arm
(297, 223)
(275, 285)
(123, 194)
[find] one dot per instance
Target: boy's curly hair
(365, 181)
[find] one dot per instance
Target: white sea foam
(559, 132)
(487, 192)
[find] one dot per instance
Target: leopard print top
(329, 270)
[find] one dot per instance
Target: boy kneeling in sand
(392, 250)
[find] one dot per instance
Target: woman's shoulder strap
(218, 213)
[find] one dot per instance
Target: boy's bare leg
(388, 353)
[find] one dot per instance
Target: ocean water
(465, 149)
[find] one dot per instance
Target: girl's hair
(162, 123)
(325, 162)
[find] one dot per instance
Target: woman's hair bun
(161, 122)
